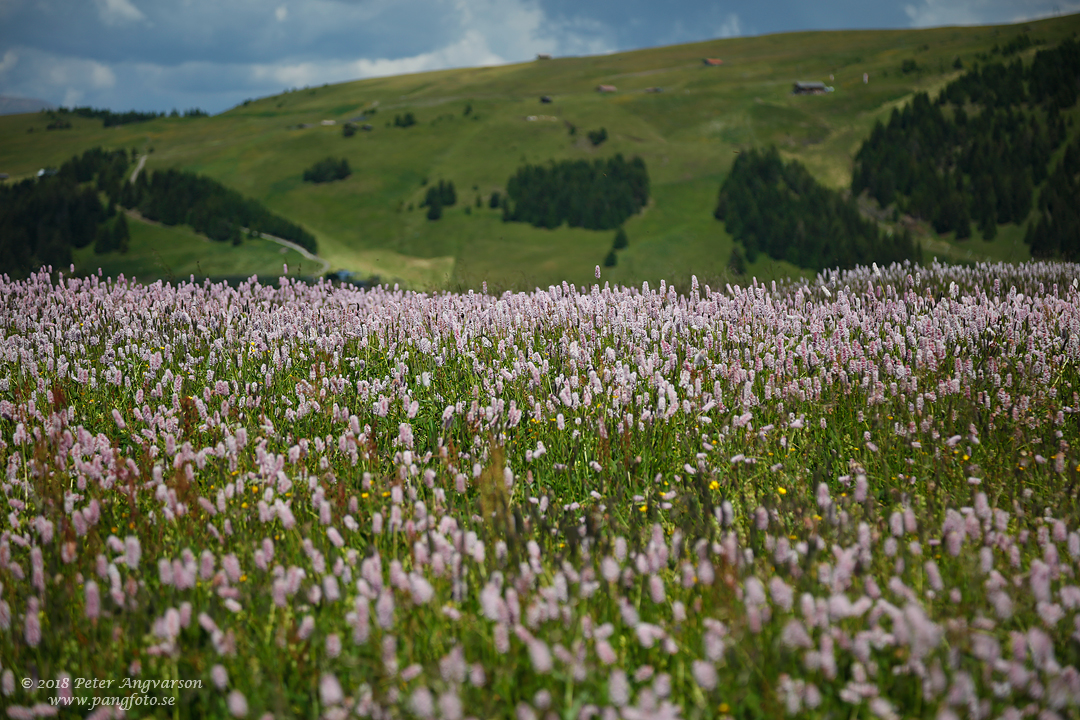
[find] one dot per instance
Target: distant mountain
(18, 105)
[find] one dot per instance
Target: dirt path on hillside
(293, 246)
(324, 264)
(138, 168)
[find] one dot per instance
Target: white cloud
(101, 76)
(489, 32)
(10, 58)
(730, 27)
(118, 12)
(471, 50)
(214, 53)
(32, 73)
(931, 13)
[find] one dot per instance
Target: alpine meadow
(732, 380)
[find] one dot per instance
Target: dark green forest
(41, 220)
(175, 197)
(976, 155)
(778, 209)
(599, 195)
(1055, 230)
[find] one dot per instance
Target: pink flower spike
(237, 703)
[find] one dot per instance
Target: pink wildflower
(220, 676)
(330, 689)
(618, 691)
(704, 675)
(540, 656)
(237, 703)
(422, 704)
(93, 600)
(32, 629)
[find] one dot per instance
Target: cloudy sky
(212, 54)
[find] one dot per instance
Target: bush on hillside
(327, 170)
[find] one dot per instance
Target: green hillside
(688, 135)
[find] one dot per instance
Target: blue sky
(164, 54)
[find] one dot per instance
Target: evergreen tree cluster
(1055, 230)
(174, 197)
(599, 195)
(328, 170)
(112, 236)
(953, 169)
(777, 208)
(107, 168)
(438, 197)
(111, 119)
(1018, 44)
(42, 220)
(404, 121)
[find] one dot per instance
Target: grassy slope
(156, 252)
(687, 135)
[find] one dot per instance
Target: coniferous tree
(121, 235)
(963, 222)
(103, 240)
(621, 240)
(737, 261)
(447, 194)
(434, 206)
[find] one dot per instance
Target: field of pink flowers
(853, 497)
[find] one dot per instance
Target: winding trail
(138, 168)
(325, 264)
(293, 246)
